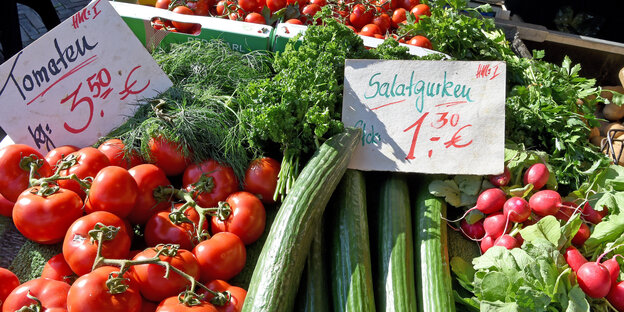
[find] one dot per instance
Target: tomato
(309, 11)
(409, 4)
(360, 16)
(261, 5)
(220, 257)
(8, 282)
(248, 5)
(163, 4)
(370, 30)
(114, 150)
(6, 207)
(89, 293)
(219, 180)
(295, 22)
(80, 252)
(421, 9)
(255, 18)
(221, 10)
(159, 229)
(383, 6)
(151, 277)
(13, 178)
(247, 219)
(52, 295)
(57, 269)
(172, 304)
(168, 156)
(45, 218)
(383, 21)
(89, 161)
(53, 156)
(320, 3)
(147, 177)
(261, 178)
(420, 41)
(180, 26)
(275, 5)
(148, 306)
(398, 16)
(200, 7)
(237, 295)
(113, 190)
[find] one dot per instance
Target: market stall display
(235, 190)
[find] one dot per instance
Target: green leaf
(569, 230)
(464, 270)
(487, 306)
(531, 299)
(547, 228)
(611, 228)
(495, 286)
(577, 300)
(447, 189)
(469, 184)
(520, 191)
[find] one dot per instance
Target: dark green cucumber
(395, 285)
(313, 295)
(435, 290)
(350, 260)
(276, 276)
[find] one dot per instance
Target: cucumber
(350, 259)
(395, 285)
(435, 291)
(276, 276)
(313, 295)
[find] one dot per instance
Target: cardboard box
(241, 36)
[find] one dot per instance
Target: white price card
(77, 82)
(427, 116)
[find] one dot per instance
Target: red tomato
(6, 207)
(275, 5)
(320, 3)
(147, 177)
(294, 21)
(168, 156)
(90, 293)
(163, 4)
(398, 16)
(261, 178)
(360, 16)
(420, 41)
(45, 219)
(13, 178)
(8, 282)
(221, 7)
(57, 269)
(261, 5)
(220, 257)
(89, 161)
(383, 21)
(421, 9)
(248, 5)
(247, 219)
(383, 6)
(148, 306)
(370, 30)
(159, 229)
(237, 295)
(309, 11)
(151, 277)
(255, 18)
(200, 7)
(52, 295)
(220, 181)
(59, 153)
(114, 150)
(409, 4)
(180, 26)
(113, 190)
(80, 252)
(172, 304)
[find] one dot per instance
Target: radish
(590, 215)
(537, 175)
(594, 278)
(519, 239)
(566, 212)
(614, 269)
(545, 203)
(582, 235)
(574, 258)
(616, 296)
(486, 243)
(501, 179)
(473, 231)
(517, 209)
(506, 241)
(489, 201)
(496, 225)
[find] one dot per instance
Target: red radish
(616, 296)
(501, 179)
(574, 258)
(486, 243)
(614, 269)
(566, 212)
(517, 209)
(473, 231)
(590, 215)
(496, 225)
(582, 235)
(519, 239)
(594, 279)
(506, 241)
(537, 175)
(489, 201)
(545, 203)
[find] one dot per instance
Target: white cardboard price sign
(427, 116)
(77, 82)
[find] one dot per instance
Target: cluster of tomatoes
(379, 19)
(95, 201)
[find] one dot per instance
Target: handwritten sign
(77, 82)
(426, 116)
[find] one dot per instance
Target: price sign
(77, 82)
(426, 116)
